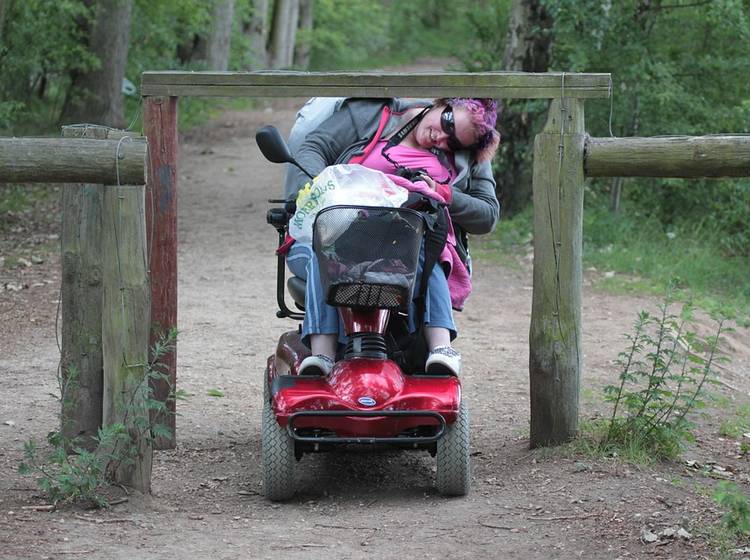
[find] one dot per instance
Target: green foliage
(483, 49)
(352, 34)
(67, 472)
(42, 45)
(336, 40)
(663, 377)
(694, 85)
(737, 504)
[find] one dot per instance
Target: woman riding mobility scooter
(374, 394)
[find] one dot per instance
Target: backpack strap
(381, 126)
(434, 241)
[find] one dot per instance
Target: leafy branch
(663, 376)
(69, 473)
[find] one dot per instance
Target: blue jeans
(321, 318)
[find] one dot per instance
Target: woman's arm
(476, 209)
(326, 143)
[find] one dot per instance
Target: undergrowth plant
(664, 374)
(737, 505)
(66, 471)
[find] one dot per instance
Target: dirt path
(368, 504)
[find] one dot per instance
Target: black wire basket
(368, 256)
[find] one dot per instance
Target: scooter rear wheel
(277, 457)
(453, 460)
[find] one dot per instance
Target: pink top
(412, 158)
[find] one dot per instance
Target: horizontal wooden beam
(73, 160)
(500, 85)
(669, 156)
(99, 131)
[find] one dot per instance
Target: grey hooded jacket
(474, 208)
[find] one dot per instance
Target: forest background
(678, 67)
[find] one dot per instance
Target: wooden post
(555, 334)
(160, 128)
(125, 329)
(81, 301)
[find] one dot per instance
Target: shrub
(663, 377)
(737, 517)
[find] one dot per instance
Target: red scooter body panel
(359, 384)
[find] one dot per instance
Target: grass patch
(628, 253)
(16, 199)
(508, 244)
(653, 257)
(587, 446)
(663, 377)
(737, 424)
(28, 222)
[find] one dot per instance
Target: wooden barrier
(161, 91)
(501, 85)
(105, 286)
(669, 156)
(72, 160)
(563, 156)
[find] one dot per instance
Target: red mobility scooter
(371, 396)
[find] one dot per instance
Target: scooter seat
(296, 287)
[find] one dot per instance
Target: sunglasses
(448, 124)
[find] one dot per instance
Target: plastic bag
(343, 184)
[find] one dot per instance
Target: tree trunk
(528, 49)
(219, 37)
(257, 31)
(3, 11)
(96, 96)
(283, 35)
(304, 45)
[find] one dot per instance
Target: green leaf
(215, 393)
(162, 431)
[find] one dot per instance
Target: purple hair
(483, 113)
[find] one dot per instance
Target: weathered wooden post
(160, 127)
(125, 329)
(81, 302)
(555, 333)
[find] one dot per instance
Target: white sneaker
(443, 360)
(316, 365)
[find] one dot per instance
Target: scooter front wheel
(277, 457)
(453, 460)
